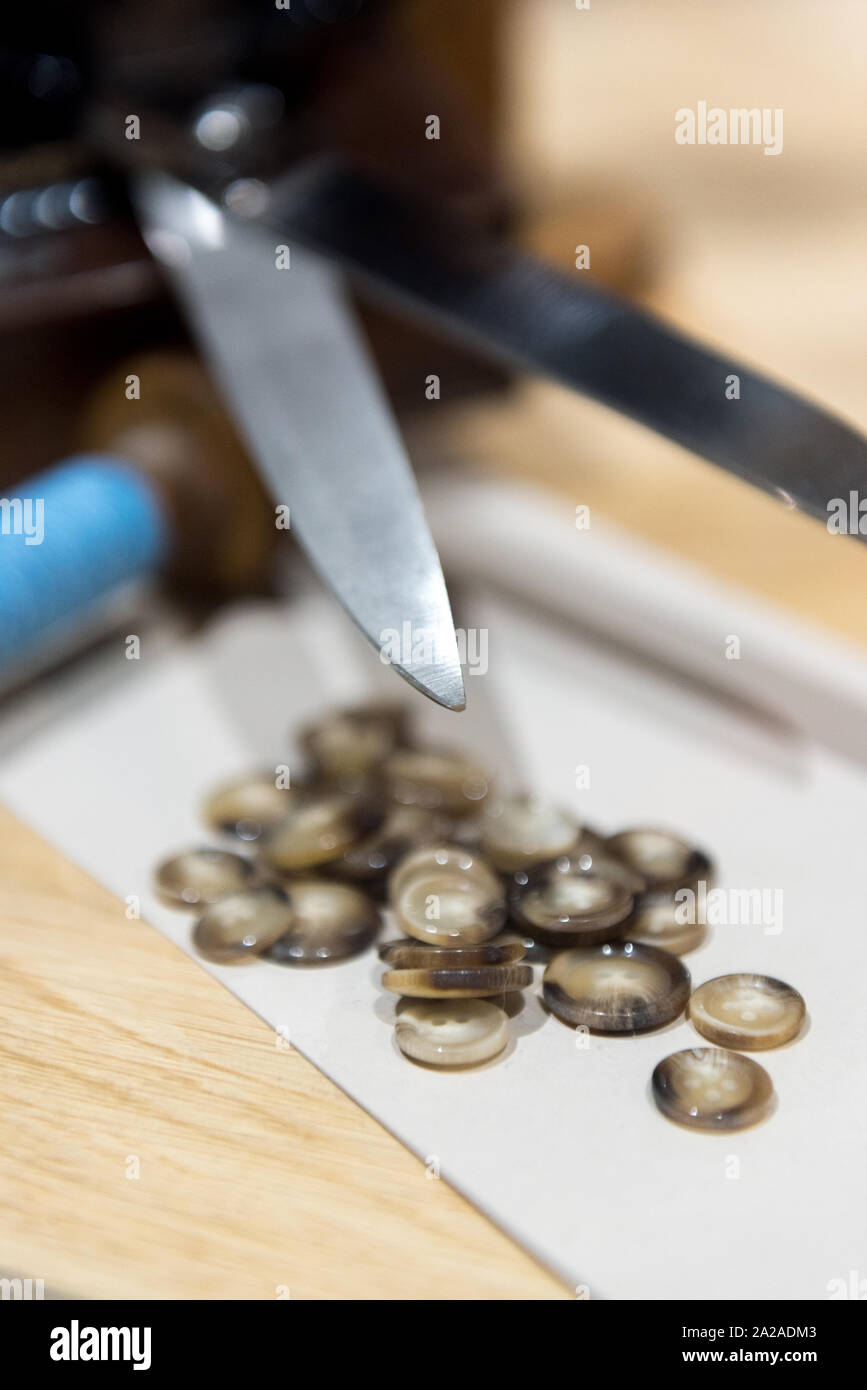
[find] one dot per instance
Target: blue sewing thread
(68, 537)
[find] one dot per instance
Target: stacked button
(453, 962)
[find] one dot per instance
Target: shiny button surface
(709, 1088)
(562, 904)
(446, 896)
(519, 832)
(247, 805)
(749, 1012)
(451, 1033)
(330, 921)
(320, 827)
(351, 743)
(619, 987)
(372, 858)
(198, 877)
(664, 861)
(657, 922)
(243, 925)
(436, 780)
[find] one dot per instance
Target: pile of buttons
(482, 888)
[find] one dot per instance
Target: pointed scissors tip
(442, 684)
(456, 701)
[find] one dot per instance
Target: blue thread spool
(69, 538)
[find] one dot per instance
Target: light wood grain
(255, 1171)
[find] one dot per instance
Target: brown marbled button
(663, 861)
(436, 779)
(655, 922)
(429, 858)
(447, 896)
(349, 744)
(415, 955)
(243, 925)
(370, 860)
(562, 904)
(198, 877)
(591, 855)
(330, 921)
(708, 1088)
(248, 805)
(618, 987)
(749, 1012)
(458, 984)
(521, 831)
(320, 826)
(451, 1033)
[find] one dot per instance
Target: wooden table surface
(257, 1177)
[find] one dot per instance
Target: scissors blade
(295, 373)
(520, 311)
